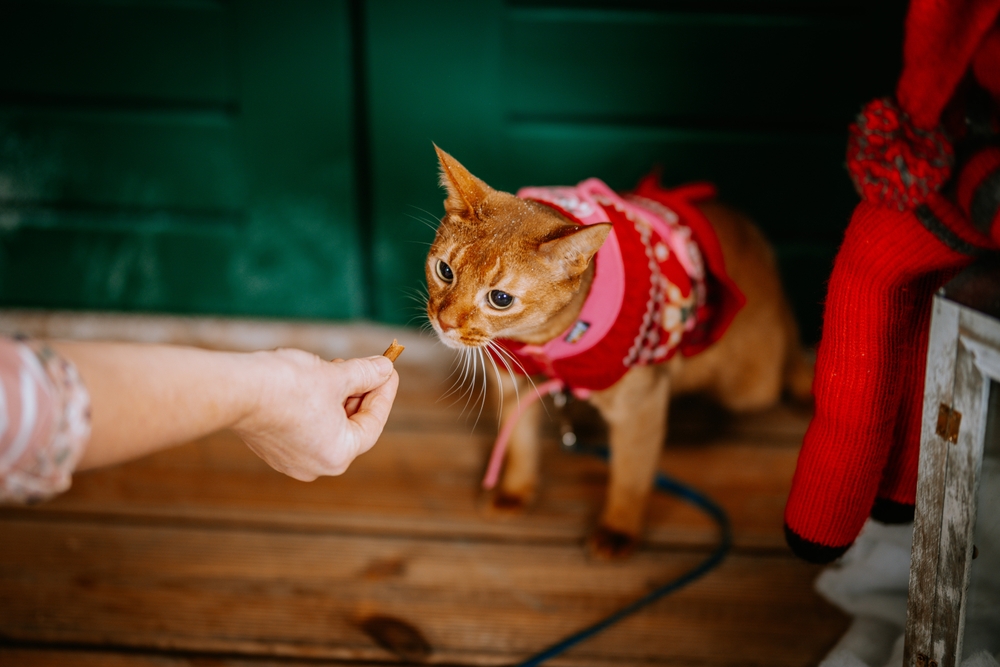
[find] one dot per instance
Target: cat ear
(465, 191)
(575, 249)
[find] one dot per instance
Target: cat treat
(394, 351)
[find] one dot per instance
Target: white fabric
(870, 582)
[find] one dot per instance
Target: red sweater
(660, 284)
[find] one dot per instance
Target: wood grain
(962, 357)
(204, 555)
(306, 595)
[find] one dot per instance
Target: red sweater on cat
(660, 284)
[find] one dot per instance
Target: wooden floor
(204, 556)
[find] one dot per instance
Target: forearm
(148, 397)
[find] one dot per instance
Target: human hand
(314, 417)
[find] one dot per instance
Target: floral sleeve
(44, 421)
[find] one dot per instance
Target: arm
(304, 416)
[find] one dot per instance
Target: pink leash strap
(500, 446)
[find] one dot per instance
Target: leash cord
(688, 494)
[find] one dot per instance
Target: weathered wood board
(204, 555)
(240, 591)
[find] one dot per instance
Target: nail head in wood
(948, 422)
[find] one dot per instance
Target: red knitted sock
(865, 376)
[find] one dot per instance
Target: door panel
(698, 68)
(145, 53)
(754, 96)
(240, 157)
(187, 156)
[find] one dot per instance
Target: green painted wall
(275, 159)
(190, 156)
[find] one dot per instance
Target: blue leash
(688, 494)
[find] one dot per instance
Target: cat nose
(446, 324)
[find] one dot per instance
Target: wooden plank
(938, 389)
(428, 484)
(243, 592)
(963, 460)
(961, 491)
(68, 657)
(961, 352)
(428, 464)
(203, 554)
(427, 360)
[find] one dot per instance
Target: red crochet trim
(891, 161)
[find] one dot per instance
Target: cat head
(503, 267)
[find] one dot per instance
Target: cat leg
(519, 481)
(635, 409)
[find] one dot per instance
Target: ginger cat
(506, 270)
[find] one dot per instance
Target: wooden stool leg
(963, 354)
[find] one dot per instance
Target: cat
(516, 271)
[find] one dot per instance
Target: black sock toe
(811, 551)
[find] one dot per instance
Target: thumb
(363, 375)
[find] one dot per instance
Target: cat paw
(609, 544)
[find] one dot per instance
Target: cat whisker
(493, 345)
(421, 321)
(419, 294)
(432, 226)
(436, 219)
(472, 385)
(496, 370)
(419, 303)
(455, 368)
(473, 382)
(422, 317)
(414, 294)
(482, 393)
(509, 355)
(460, 387)
(463, 360)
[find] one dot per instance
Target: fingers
(362, 375)
(373, 412)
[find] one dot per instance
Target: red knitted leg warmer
(869, 378)
(896, 492)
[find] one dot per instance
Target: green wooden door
(274, 158)
(191, 156)
(755, 96)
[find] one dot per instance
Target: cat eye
(444, 271)
(500, 300)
